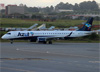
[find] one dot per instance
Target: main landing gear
(49, 42)
(45, 42)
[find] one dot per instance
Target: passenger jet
(48, 36)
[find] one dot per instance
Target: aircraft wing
(48, 38)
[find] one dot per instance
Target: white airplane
(51, 28)
(31, 27)
(48, 36)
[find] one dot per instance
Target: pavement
(57, 57)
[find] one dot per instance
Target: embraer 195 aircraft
(48, 36)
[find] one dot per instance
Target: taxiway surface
(58, 57)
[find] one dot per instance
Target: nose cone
(3, 37)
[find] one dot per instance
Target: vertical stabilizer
(87, 26)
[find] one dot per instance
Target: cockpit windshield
(8, 33)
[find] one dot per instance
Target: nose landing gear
(11, 42)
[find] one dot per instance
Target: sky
(41, 3)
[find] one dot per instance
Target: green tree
(76, 6)
(88, 6)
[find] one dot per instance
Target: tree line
(83, 6)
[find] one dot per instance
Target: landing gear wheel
(44, 42)
(50, 42)
(11, 42)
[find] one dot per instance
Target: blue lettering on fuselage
(25, 34)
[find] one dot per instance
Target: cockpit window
(8, 33)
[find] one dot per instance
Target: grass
(7, 22)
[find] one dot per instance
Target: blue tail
(87, 26)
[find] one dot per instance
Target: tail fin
(87, 26)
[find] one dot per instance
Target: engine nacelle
(41, 39)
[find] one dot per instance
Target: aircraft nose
(3, 37)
